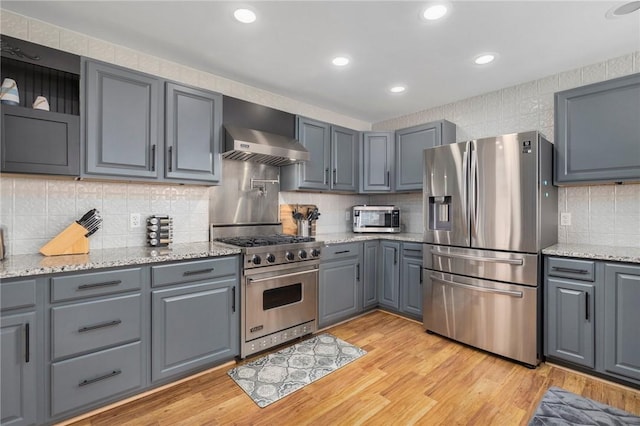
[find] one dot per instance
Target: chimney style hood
(262, 147)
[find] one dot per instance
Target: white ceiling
(288, 50)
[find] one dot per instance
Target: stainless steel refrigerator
(489, 208)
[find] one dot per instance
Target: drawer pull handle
(342, 252)
(198, 272)
(97, 379)
(570, 270)
(101, 325)
(104, 284)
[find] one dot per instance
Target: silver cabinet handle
(510, 293)
(478, 258)
(314, 271)
(97, 379)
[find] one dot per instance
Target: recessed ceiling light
(245, 16)
(397, 89)
(340, 61)
(623, 9)
(484, 59)
(434, 12)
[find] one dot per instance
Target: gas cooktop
(265, 240)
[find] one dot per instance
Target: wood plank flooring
(407, 377)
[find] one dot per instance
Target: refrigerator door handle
(510, 293)
(465, 190)
(478, 258)
(473, 188)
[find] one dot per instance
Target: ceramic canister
(9, 92)
(41, 103)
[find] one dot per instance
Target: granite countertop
(37, 264)
(588, 251)
(350, 237)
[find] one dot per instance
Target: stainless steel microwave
(376, 219)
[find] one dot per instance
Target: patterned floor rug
(276, 375)
(559, 407)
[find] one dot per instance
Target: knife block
(70, 241)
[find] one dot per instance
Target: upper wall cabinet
(133, 132)
(333, 163)
(40, 140)
(376, 164)
(123, 115)
(192, 119)
(410, 143)
(597, 132)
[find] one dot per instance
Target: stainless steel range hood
(262, 147)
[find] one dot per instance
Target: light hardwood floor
(407, 377)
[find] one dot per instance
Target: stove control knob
(302, 254)
(270, 258)
(315, 252)
(256, 259)
(289, 256)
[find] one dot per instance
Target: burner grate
(268, 240)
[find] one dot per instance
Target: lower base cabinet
(193, 326)
(370, 274)
(340, 287)
(592, 317)
(389, 284)
(411, 280)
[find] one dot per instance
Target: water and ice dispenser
(440, 213)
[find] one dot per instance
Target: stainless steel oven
(279, 304)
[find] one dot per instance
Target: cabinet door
(570, 321)
(622, 320)
(411, 283)
(193, 119)
(18, 369)
(409, 158)
(597, 132)
(122, 119)
(193, 326)
(316, 137)
(389, 284)
(35, 141)
(344, 159)
(376, 164)
(370, 274)
(338, 293)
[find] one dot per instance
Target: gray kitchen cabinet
(333, 163)
(410, 143)
(20, 352)
(340, 289)
(18, 369)
(193, 121)
(622, 320)
(571, 321)
(370, 272)
(411, 280)
(597, 132)
(123, 112)
(389, 283)
(195, 325)
(376, 162)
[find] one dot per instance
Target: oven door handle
(293, 274)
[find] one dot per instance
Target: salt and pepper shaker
(159, 230)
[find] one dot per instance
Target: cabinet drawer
(95, 284)
(198, 270)
(93, 325)
(18, 294)
(571, 268)
(340, 251)
(91, 378)
(412, 250)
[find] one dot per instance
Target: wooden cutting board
(289, 225)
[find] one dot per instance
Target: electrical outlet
(134, 220)
(565, 219)
(347, 215)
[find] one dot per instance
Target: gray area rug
(560, 407)
(276, 375)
